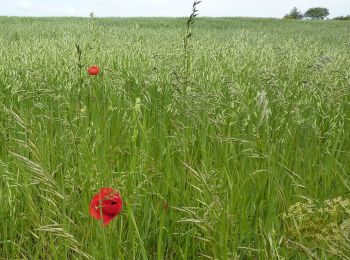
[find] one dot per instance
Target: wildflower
(166, 207)
(93, 70)
(106, 205)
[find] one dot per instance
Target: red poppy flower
(106, 205)
(93, 70)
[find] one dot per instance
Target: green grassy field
(238, 148)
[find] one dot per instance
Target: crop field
(229, 140)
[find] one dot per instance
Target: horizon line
(169, 17)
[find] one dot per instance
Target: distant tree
(317, 13)
(343, 18)
(294, 14)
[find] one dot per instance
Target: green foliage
(342, 18)
(294, 14)
(318, 13)
(289, 17)
(205, 173)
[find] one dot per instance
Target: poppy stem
(103, 230)
(144, 254)
(105, 243)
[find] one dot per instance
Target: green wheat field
(232, 142)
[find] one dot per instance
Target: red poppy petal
(111, 204)
(94, 207)
(94, 212)
(107, 219)
(110, 207)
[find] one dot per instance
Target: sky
(128, 8)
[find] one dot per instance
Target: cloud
(70, 11)
(22, 4)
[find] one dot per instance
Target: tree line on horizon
(315, 13)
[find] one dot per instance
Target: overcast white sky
(253, 8)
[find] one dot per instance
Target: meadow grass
(233, 149)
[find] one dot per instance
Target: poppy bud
(93, 70)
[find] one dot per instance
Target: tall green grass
(217, 160)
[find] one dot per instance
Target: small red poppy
(93, 70)
(107, 203)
